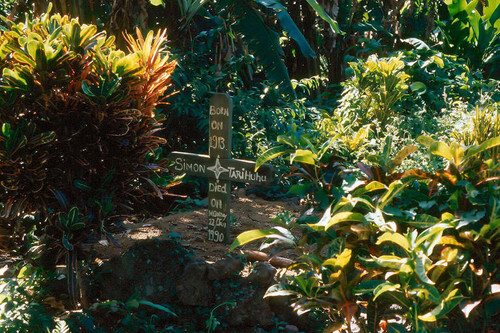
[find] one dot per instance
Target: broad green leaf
(396, 328)
(421, 263)
(264, 43)
(367, 287)
(24, 272)
(321, 13)
(6, 130)
(456, 6)
(430, 292)
(359, 137)
(321, 224)
(425, 140)
(441, 149)
(289, 26)
(395, 238)
(450, 240)
(372, 186)
(252, 235)
(344, 217)
(422, 221)
(158, 307)
(418, 87)
(416, 43)
(404, 153)
(341, 260)
(394, 188)
(289, 139)
(271, 154)
(304, 156)
(450, 302)
(390, 261)
(438, 61)
(281, 292)
(300, 189)
(383, 288)
(490, 143)
(430, 233)
(376, 217)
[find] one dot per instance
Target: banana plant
(246, 19)
(473, 32)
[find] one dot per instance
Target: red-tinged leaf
(365, 169)
(154, 186)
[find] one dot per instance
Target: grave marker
(219, 167)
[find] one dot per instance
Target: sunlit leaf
(421, 263)
(304, 156)
(271, 154)
(252, 235)
(394, 238)
(448, 304)
(344, 217)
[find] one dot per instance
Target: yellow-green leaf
(344, 217)
(395, 238)
(441, 149)
(271, 154)
(252, 235)
(304, 156)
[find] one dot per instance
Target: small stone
(262, 274)
(291, 328)
(240, 193)
(193, 287)
(224, 269)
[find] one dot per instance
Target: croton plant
(78, 123)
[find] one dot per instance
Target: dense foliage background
(381, 115)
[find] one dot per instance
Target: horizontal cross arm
(235, 170)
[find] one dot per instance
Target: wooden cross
(220, 168)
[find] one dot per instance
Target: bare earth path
(249, 213)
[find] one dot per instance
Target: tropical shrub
(400, 256)
(22, 290)
(375, 88)
(78, 124)
(473, 33)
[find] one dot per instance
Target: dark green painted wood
(219, 168)
(218, 210)
(229, 169)
(220, 126)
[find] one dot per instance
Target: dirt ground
(248, 212)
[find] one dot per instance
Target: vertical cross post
(220, 126)
(220, 168)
